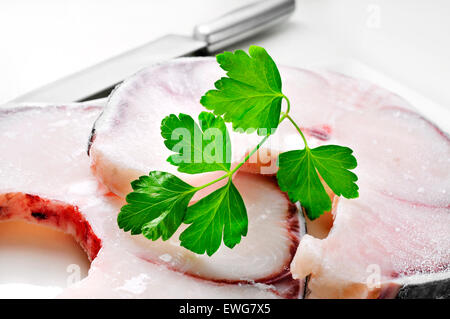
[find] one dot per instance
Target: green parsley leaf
(221, 213)
(157, 205)
(297, 175)
(198, 149)
(250, 97)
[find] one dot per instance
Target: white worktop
(408, 40)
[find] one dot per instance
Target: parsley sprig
(250, 97)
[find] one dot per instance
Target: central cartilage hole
(37, 261)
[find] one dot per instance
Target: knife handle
(243, 23)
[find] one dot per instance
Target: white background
(408, 40)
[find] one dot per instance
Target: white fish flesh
(45, 177)
(399, 223)
(394, 239)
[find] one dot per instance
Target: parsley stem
(298, 129)
(286, 115)
(212, 182)
(288, 105)
(257, 147)
(250, 154)
(234, 170)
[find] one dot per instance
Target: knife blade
(98, 81)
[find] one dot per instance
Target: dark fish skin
(431, 289)
(439, 289)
